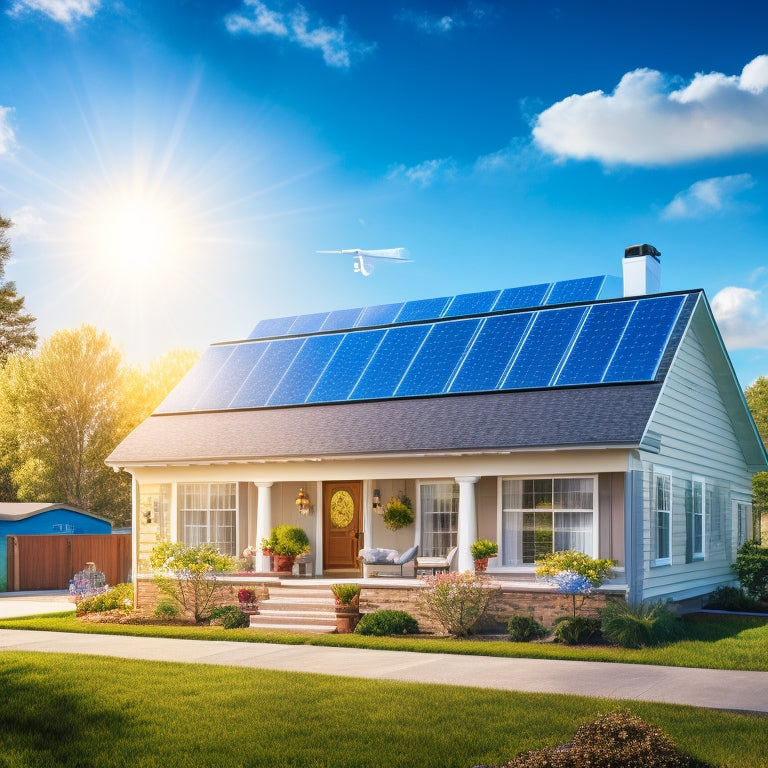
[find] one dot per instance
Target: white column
(467, 522)
(263, 517)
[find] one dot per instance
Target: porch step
(297, 609)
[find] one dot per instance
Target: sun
(138, 234)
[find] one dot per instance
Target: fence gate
(50, 561)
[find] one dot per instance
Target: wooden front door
(341, 524)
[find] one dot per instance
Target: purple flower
(572, 583)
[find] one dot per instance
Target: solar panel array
(504, 348)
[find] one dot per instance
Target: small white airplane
(364, 260)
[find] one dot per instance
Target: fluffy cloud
(425, 174)
(256, 18)
(7, 137)
(742, 316)
(707, 197)
(63, 11)
(645, 122)
(433, 24)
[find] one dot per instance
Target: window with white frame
(662, 517)
(698, 516)
(743, 519)
(207, 515)
(439, 509)
(547, 515)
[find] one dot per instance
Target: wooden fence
(50, 561)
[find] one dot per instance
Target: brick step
(309, 629)
(308, 617)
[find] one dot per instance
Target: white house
(554, 416)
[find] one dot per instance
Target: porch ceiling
(542, 419)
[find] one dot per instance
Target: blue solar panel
(521, 298)
(189, 389)
(231, 376)
(346, 367)
(431, 369)
(640, 349)
(277, 326)
(307, 323)
(342, 319)
(382, 314)
(390, 362)
(423, 309)
(305, 370)
(569, 291)
(596, 343)
(491, 352)
(548, 339)
(472, 303)
(266, 374)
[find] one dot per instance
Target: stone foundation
(148, 595)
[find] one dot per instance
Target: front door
(341, 524)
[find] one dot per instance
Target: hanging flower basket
(399, 513)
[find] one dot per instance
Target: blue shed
(33, 518)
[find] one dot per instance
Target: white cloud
(28, 224)
(425, 174)
(742, 316)
(645, 122)
(256, 18)
(707, 197)
(7, 136)
(471, 14)
(63, 11)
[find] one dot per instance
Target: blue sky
(172, 167)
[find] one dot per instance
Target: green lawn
(93, 712)
(713, 641)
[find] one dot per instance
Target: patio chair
(435, 564)
(374, 558)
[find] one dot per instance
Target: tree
(17, 329)
(757, 400)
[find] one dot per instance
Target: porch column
(263, 518)
(467, 532)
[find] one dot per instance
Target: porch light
(377, 508)
(302, 502)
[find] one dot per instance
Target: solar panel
(267, 373)
(522, 298)
(423, 309)
(341, 319)
(231, 376)
(437, 358)
(383, 314)
(471, 303)
(570, 291)
(277, 326)
(389, 362)
(307, 323)
(548, 339)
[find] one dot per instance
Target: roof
(20, 510)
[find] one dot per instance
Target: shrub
(387, 622)
(523, 627)
(638, 626)
(229, 616)
(483, 548)
(576, 630)
(189, 575)
(345, 593)
(246, 596)
(119, 598)
(752, 568)
(167, 609)
(399, 513)
(596, 571)
(456, 601)
(615, 740)
(731, 599)
(287, 540)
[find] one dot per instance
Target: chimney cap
(645, 249)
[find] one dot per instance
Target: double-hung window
(439, 510)
(547, 515)
(207, 515)
(662, 514)
(698, 518)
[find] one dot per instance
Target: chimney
(642, 270)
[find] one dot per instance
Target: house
(565, 415)
(38, 519)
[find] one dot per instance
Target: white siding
(697, 439)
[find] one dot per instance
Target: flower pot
(284, 563)
(481, 564)
(346, 622)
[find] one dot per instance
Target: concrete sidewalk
(717, 689)
(13, 604)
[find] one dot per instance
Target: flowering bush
(457, 601)
(570, 560)
(118, 598)
(246, 596)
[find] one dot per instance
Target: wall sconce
(302, 502)
(377, 508)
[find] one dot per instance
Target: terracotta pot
(481, 565)
(284, 563)
(346, 622)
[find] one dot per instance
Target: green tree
(757, 400)
(17, 328)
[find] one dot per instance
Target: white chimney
(642, 270)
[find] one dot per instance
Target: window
(155, 508)
(697, 533)
(546, 515)
(439, 507)
(662, 512)
(743, 516)
(207, 514)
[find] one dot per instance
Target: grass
(92, 712)
(714, 641)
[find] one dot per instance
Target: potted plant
(287, 542)
(481, 550)
(347, 606)
(399, 513)
(247, 600)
